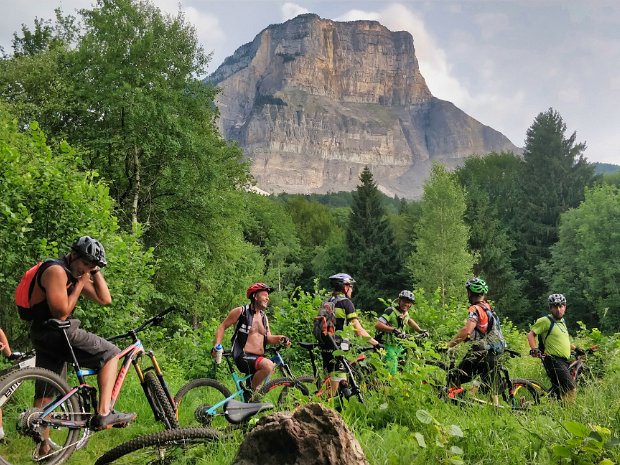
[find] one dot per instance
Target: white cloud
(356, 15)
(290, 10)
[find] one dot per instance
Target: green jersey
(392, 317)
(557, 343)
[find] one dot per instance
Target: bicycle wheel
(166, 412)
(22, 424)
(285, 392)
(526, 393)
(163, 447)
(196, 397)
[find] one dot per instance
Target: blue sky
(501, 61)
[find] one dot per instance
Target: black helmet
(338, 280)
(90, 249)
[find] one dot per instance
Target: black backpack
(541, 339)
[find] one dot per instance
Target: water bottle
(219, 351)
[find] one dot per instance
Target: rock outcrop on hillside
(312, 101)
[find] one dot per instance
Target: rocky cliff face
(313, 101)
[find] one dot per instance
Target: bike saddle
(238, 412)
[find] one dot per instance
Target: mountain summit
(312, 101)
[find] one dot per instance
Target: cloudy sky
(501, 61)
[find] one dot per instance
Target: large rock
(312, 435)
(312, 101)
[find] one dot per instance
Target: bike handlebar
(153, 321)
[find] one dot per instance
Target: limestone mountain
(312, 101)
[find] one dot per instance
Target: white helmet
(407, 295)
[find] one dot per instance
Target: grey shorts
(91, 351)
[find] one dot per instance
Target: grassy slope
(387, 426)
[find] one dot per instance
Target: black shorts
(247, 363)
(559, 374)
(91, 351)
(477, 363)
(333, 365)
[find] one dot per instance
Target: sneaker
(44, 449)
(112, 419)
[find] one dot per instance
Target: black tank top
(41, 311)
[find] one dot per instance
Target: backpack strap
(44, 266)
(552, 321)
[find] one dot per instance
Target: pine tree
(555, 174)
(372, 254)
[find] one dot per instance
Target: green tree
(270, 228)
(318, 230)
(372, 255)
(46, 202)
(584, 261)
(128, 94)
(491, 184)
(441, 259)
(554, 176)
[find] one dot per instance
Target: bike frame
(324, 384)
(574, 368)
(87, 394)
(505, 386)
(276, 359)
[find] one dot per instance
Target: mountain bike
(512, 393)
(65, 421)
(208, 402)
(319, 385)
(578, 369)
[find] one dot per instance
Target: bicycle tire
(195, 397)
(157, 394)
(526, 393)
(284, 391)
(158, 448)
(17, 390)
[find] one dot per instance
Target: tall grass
(405, 422)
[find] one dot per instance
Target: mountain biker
(342, 287)
(252, 334)
(557, 347)
(393, 325)
(57, 288)
(478, 360)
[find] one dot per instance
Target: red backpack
(26, 286)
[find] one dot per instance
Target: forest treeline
(107, 129)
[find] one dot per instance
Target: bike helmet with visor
(477, 286)
(90, 249)
(407, 295)
(254, 288)
(557, 299)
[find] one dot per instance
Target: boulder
(312, 435)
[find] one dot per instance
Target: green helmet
(477, 286)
